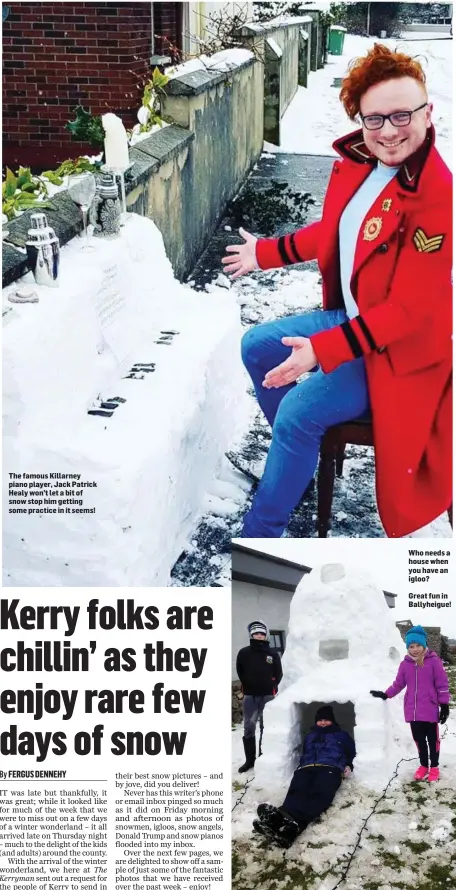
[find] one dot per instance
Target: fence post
(303, 58)
(272, 109)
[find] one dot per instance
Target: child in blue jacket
(327, 756)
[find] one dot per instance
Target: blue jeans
(299, 415)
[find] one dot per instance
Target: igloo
(342, 642)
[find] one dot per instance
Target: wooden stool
(332, 453)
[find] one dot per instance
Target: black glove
(444, 712)
(378, 694)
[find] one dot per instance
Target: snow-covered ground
(315, 117)
(384, 830)
(409, 841)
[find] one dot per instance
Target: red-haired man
(384, 341)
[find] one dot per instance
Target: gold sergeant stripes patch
(425, 244)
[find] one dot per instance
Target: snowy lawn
(410, 839)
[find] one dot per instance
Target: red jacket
(402, 284)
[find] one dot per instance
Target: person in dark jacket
(259, 669)
(327, 757)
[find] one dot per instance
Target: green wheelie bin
(336, 39)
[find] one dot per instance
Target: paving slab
(303, 174)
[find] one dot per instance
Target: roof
(256, 567)
(240, 548)
(317, 5)
(268, 570)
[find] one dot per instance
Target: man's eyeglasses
(397, 118)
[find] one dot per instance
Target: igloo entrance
(342, 642)
(344, 713)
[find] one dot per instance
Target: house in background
(262, 587)
(438, 15)
(98, 55)
(200, 20)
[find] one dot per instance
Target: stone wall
(236, 703)
(304, 58)
(287, 60)
(288, 40)
(184, 175)
(223, 112)
(318, 41)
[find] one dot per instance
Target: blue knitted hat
(416, 635)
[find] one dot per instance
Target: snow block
(120, 325)
(342, 642)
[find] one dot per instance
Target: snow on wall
(338, 613)
(154, 459)
(224, 60)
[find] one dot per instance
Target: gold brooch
(372, 228)
(387, 204)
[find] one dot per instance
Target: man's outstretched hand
(302, 359)
(242, 257)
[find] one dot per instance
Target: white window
(277, 640)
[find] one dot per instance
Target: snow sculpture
(342, 641)
(122, 327)
(116, 142)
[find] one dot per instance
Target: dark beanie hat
(325, 713)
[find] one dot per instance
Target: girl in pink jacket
(426, 700)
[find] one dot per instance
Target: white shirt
(350, 224)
